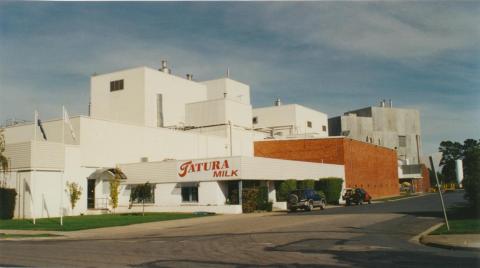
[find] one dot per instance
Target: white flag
(66, 119)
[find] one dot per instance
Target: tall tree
(471, 170)
(451, 151)
(469, 153)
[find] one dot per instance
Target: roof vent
(164, 67)
(190, 77)
(382, 103)
(278, 102)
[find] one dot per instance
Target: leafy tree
(451, 151)
(471, 164)
(75, 191)
(3, 158)
(141, 193)
(115, 189)
(469, 152)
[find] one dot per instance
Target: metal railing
(101, 203)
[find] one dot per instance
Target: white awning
(228, 168)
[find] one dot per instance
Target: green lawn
(91, 221)
(463, 219)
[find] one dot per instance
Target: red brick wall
(426, 179)
(368, 166)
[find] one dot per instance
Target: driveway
(373, 235)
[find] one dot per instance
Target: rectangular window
(255, 120)
(402, 141)
(324, 128)
(190, 194)
(116, 85)
(309, 124)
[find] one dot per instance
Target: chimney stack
(164, 67)
(278, 102)
(190, 77)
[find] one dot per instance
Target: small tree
(3, 158)
(75, 191)
(141, 193)
(115, 189)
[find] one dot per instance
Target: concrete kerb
(126, 229)
(450, 241)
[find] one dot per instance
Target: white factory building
(193, 140)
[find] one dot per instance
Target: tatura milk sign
(208, 169)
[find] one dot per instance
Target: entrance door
(91, 194)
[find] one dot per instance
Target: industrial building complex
(198, 142)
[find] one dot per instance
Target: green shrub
(7, 203)
(322, 195)
(306, 184)
(249, 200)
(262, 198)
(331, 187)
(284, 188)
(269, 207)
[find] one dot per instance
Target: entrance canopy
(227, 168)
(109, 172)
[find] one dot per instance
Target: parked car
(306, 199)
(357, 196)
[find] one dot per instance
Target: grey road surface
(376, 235)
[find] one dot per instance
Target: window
(324, 128)
(309, 124)
(116, 85)
(402, 141)
(190, 194)
(255, 120)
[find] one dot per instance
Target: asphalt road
(376, 235)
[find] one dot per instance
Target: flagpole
(63, 170)
(32, 181)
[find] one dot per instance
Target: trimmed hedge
(262, 198)
(7, 203)
(284, 188)
(332, 188)
(249, 200)
(306, 184)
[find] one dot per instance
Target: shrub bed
(7, 203)
(332, 188)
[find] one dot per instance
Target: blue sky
(331, 56)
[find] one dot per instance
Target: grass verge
(75, 223)
(463, 219)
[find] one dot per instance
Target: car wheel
(348, 203)
(309, 207)
(369, 201)
(322, 205)
(293, 209)
(360, 202)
